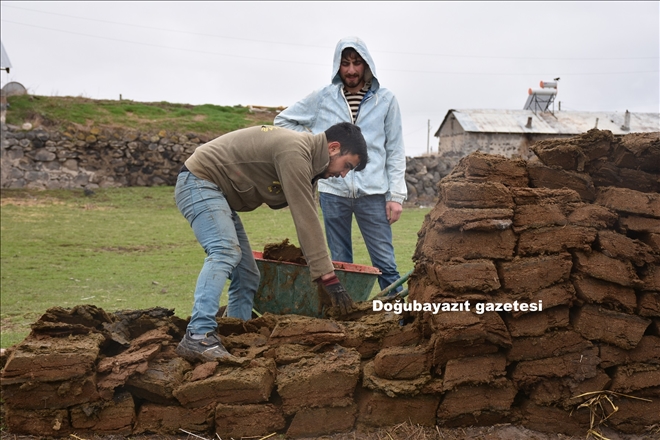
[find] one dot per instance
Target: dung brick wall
(564, 250)
(576, 233)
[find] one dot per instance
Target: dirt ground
(399, 432)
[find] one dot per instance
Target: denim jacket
(379, 119)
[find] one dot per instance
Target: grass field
(122, 248)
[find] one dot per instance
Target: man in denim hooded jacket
(375, 196)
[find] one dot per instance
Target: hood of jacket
(361, 48)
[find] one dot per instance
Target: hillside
(205, 120)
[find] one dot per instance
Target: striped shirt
(354, 99)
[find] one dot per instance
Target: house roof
(5, 64)
(559, 122)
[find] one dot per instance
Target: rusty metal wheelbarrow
(287, 288)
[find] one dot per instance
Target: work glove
(333, 290)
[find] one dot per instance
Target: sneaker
(206, 349)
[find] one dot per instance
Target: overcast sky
(434, 56)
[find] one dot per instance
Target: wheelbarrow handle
(394, 285)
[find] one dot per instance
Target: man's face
(351, 71)
(340, 164)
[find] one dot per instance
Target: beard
(353, 81)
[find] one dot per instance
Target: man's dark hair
(351, 140)
(349, 52)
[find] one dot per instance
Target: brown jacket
(275, 166)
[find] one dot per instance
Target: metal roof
(5, 64)
(559, 122)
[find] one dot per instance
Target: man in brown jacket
(240, 171)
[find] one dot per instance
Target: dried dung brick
(474, 370)
(444, 351)
(648, 304)
(599, 265)
(635, 416)
(651, 278)
(161, 378)
(402, 362)
(564, 392)
(646, 351)
(52, 359)
(549, 344)
(377, 409)
(541, 176)
(628, 201)
(634, 377)
(469, 327)
(305, 330)
(620, 329)
(238, 421)
(567, 156)
(481, 167)
(592, 216)
(553, 240)
(231, 385)
(393, 387)
(638, 150)
(170, 420)
(485, 195)
(289, 353)
(607, 174)
(592, 290)
(305, 383)
(334, 419)
(496, 396)
(636, 223)
(465, 276)
(555, 420)
(538, 216)
(111, 417)
(538, 323)
(562, 294)
(40, 423)
(524, 275)
(445, 217)
(578, 366)
(619, 246)
(470, 245)
(51, 395)
(545, 196)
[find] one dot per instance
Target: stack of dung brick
(557, 261)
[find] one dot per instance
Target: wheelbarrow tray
(287, 288)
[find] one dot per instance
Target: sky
(434, 56)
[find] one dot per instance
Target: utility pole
(428, 137)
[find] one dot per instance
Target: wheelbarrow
(287, 288)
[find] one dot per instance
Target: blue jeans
(372, 220)
(228, 254)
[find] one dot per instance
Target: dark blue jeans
(372, 220)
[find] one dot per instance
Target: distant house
(510, 133)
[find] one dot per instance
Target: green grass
(206, 119)
(122, 248)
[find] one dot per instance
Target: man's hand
(331, 288)
(393, 211)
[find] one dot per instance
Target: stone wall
(77, 158)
